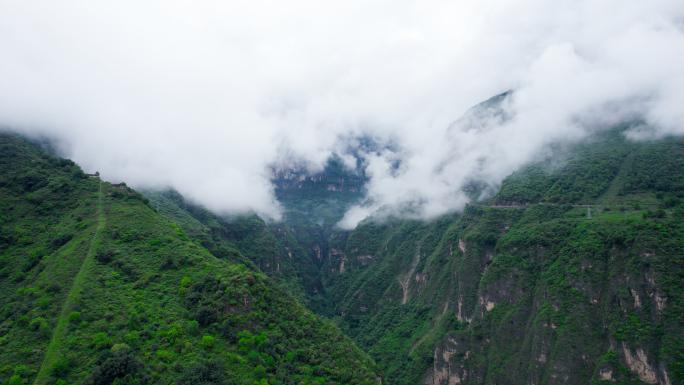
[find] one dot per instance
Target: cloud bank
(203, 95)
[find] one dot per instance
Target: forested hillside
(97, 288)
(247, 239)
(572, 273)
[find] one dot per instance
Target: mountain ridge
(413, 294)
(570, 273)
(143, 303)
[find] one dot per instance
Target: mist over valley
(342, 193)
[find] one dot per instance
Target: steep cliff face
(534, 291)
(553, 309)
(538, 295)
(323, 197)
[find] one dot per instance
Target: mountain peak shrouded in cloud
(203, 96)
(493, 112)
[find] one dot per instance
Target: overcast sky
(202, 95)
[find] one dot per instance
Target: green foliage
(61, 368)
(105, 256)
(75, 317)
(504, 294)
(608, 164)
(205, 315)
(245, 240)
(119, 365)
(657, 167)
(96, 279)
(193, 327)
(203, 372)
(207, 342)
(100, 341)
(134, 321)
(516, 293)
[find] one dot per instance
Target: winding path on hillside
(52, 353)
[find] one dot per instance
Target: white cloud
(202, 95)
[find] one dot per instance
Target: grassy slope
(541, 293)
(152, 307)
(53, 350)
(42, 249)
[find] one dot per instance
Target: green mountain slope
(605, 169)
(290, 252)
(98, 288)
(247, 239)
(530, 289)
(515, 295)
(578, 255)
(404, 290)
(570, 274)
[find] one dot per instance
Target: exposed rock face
(660, 302)
(405, 280)
(486, 303)
(447, 370)
(319, 255)
(638, 363)
(461, 245)
(637, 302)
(518, 312)
(606, 374)
(295, 176)
(365, 259)
(453, 357)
